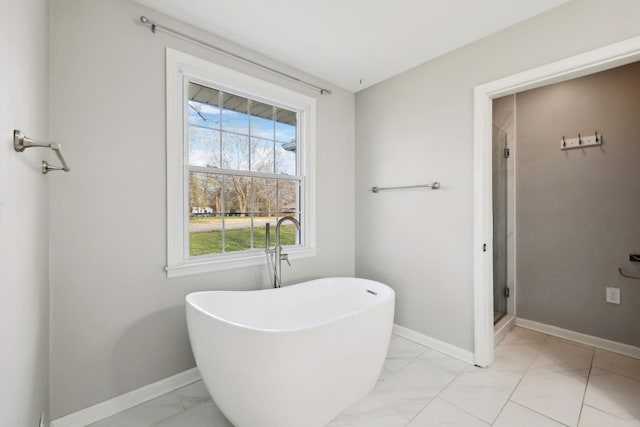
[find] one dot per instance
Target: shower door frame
(600, 59)
(501, 170)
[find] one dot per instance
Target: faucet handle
(285, 257)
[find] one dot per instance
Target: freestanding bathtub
(296, 356)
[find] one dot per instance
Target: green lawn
(210, 242)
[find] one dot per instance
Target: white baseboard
(502, 328)
(605, 344)
(441, 346)
(125, 401)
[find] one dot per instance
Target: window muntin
(243, 171)
(181, 161)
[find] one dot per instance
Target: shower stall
(500, 155)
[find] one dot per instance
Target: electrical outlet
(613, 295)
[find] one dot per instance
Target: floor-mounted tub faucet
(278, 256)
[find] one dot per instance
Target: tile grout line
(428, 349)
(583, 346)
(393, 374)
(414, 358)
(546, 340)
(527, 370)
(408, 421)
(618, 374)
(434, 397)
(586, 385)
(608, 413)
(451, 403)
(539, 413)
(611, 371)
(182, 399)
(589, 379)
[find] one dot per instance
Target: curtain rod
(157, 27)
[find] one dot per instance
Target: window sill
(188, 268)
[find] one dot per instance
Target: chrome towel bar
(21, 143)
(433, 186)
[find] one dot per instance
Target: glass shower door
(500, 155)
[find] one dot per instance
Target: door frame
(594, 61)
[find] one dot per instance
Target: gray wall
(117, 322)
(578, 210)
(418, 127)
(24, 228)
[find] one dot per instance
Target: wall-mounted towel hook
(21, 143)
(597, 140)
(579, 140)
(628, 276)
(564, 143)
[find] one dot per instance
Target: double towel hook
(21, 143)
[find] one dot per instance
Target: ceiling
(352, 43)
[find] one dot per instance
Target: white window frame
(182, 68)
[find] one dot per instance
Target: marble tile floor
(535, 380)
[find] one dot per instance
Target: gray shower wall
(578, 210)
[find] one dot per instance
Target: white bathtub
(296, 356)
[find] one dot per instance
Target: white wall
(24, 241)
(117, 322)
(418, 127)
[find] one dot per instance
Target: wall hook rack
(581, 141)
(21, 143)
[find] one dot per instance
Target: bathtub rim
(386, 299)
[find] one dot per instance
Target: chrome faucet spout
(278, 255)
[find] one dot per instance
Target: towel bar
(21, 143)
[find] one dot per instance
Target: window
(239, 154)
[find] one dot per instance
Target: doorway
(588, 63)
